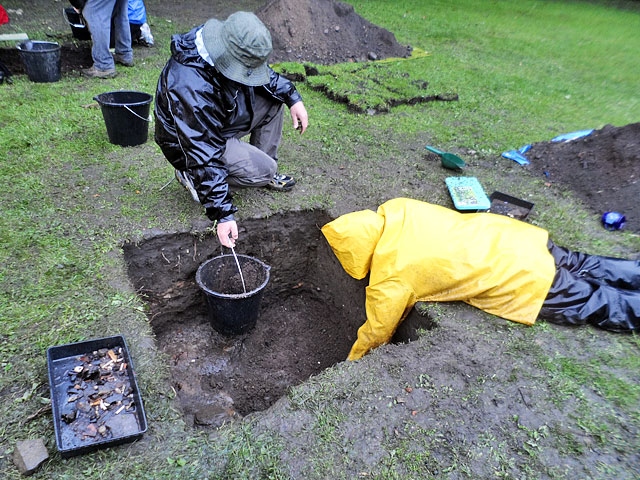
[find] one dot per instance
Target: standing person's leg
(124, 52)
(97, 14)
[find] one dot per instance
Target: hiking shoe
(122, 60)
(281, 182)
(94, 72)
(184, 180)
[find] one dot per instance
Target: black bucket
(41, 60)
(78, 26)
(126, 116)
(231, 310)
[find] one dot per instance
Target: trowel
(448, 160)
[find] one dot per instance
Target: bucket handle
(239, 269)
(148, 119)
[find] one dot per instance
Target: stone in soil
(29, 455)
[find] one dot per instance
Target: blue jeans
(98, 15)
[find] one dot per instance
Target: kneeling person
(216, 89)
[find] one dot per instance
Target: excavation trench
(308, 320)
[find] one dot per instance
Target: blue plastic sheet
(567, 137)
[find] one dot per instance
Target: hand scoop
(448, 160)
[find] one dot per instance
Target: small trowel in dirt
(448, 160)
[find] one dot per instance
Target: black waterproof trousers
(602, 291)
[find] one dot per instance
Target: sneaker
(281, 182)
(122, 60)
(94, 72)
(186, 182)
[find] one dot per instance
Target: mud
(308, 319)
(602, 169)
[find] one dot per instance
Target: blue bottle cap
(613, 221)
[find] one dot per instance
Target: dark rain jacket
(197, 109)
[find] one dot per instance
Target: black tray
(513, 207)
(121, 413)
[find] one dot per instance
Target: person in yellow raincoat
(415, 251)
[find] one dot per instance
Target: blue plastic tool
(516, 156)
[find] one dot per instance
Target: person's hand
(227, 233)
(299, 117)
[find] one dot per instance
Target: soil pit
(309, 315)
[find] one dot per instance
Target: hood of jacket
(184, 49)
(353, 238)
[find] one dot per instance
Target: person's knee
(259, 176)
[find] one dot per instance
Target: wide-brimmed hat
(239, 47)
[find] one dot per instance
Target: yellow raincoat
(415, 251)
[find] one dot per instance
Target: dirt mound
(325, 32)
(318, 31)
(602, 169)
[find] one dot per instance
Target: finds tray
(95, 398)
(467, 194)
(513, 207)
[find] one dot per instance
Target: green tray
(467, 194)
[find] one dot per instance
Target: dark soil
(602, 169)
(308, 315)
(307, 319)
(233, 276)
(325, 32)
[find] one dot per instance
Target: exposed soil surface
(325, 32)
(602, 169)
(307, 318)
(308, 315)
